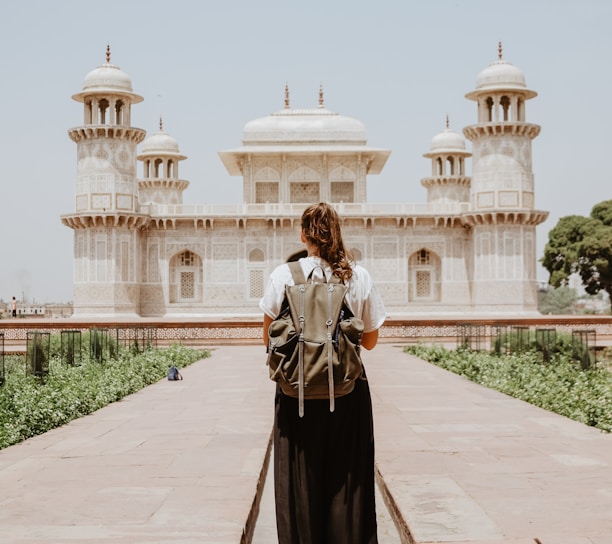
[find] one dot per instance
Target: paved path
(181, 462)
(468, 464)
(178, 462)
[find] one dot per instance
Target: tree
(559, 301)
(583, 245)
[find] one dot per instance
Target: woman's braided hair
(321, 227)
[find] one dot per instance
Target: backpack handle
(298, 274)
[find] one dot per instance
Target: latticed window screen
(342, 191)
(423, 283)
(304, 192)
(187, 285)
(266, 191)
(423, 257)
(256, 283)
(187, 258)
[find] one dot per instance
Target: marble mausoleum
(139, 250)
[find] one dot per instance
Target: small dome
(304, 125)
(447, 141)
(107, 79)
(160, 143)
(107, 76)
(500, 75)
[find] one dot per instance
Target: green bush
(559, 386)
(30, 406)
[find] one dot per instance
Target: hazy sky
(209, 67)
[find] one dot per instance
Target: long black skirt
(324, 470)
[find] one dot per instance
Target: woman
(324, 461)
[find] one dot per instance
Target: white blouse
(363, 298)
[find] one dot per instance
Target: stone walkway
(181, 462)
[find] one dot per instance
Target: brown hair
(321, 227)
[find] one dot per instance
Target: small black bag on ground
(174, 374)
(314, 343)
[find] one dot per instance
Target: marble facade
(470, 249)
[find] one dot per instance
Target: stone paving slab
(466, 464)
(179, 462)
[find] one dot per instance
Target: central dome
(304, 126)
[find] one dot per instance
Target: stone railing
(212, 331)
(284, 209)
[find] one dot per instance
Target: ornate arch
(424, 276)
(185, 277)
(304, 185)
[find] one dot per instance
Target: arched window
(88, 113)
(450, 161)
(256, 271)
(103, 107)
(505, 104)
(267, 185)
(304, 185)
(157, 170)
(489, 109)
(424, 272)
(186, 277)
(119, 112)
(342, 184)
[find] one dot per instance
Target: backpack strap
(296, 271)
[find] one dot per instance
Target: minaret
(502, 213)
(160, 183)
(106, 221)
(448, 182)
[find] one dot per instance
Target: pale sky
(208, 67)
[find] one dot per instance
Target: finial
(161, 124)
(500, 51)
(447, 123)
(321, 101)
(107, 53)
(286, 96)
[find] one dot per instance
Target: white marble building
(140, 251)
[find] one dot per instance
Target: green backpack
(314, 343)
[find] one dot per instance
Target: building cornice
(473, 132)
(433, 181)
(94, 220)
(90, 132)
(164, 183)
(506, 217)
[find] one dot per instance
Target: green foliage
(559, 301)
(29, 406)
(560, 386)
(583, 245)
